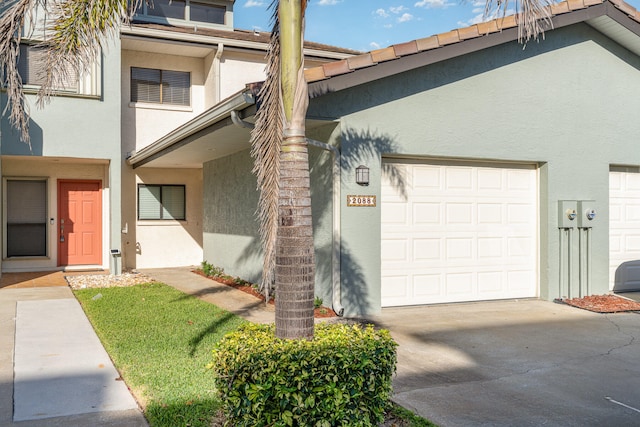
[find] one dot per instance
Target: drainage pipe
(335, 250)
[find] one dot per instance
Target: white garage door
(624, 230)
(460, 232)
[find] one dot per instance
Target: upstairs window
(31, 65)
(160, 86)
(161, 202)
(172, 11)
(168, 9)
(201, 12)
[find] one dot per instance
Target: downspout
(216, 71)
(336, 251)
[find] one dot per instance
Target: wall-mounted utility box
(567, 213)
(586, 213)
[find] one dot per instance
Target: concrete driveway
(517, 363)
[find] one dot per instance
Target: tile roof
(396, 51)
(241, 35)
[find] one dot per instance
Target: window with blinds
(167, 8)
(161, 202)
(183, 11)
(206, 13)
(31, 66)
(160, 86)
(26, 218)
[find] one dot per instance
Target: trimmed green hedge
(340, 378)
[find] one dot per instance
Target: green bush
(211, 270)
(340, 378)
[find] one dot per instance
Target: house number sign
(361, 201)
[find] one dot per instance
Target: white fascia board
(191, 38)
(211, 116)
(212, 40)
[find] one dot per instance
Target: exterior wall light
(362, 175)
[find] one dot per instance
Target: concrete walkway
(61, 374)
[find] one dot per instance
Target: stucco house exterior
(495, 170)
(492, 170)
(71, 200)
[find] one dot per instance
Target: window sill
(162, 222)
(166, 107)
(33, 90)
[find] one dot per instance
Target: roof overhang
(207, 136)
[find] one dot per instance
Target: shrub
(211, 270)
(340, 378)
(317, 302)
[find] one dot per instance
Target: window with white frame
(185, 11)
(160, 86)
(161, 202)
(31, 64)
(26, 217)
(31, 68)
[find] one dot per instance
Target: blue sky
(370, 24)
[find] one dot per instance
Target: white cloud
(388, 26)
(405, 17)
(374, 45)
(329, 2)
(434, 4)
(397, 9)
(382, 13)
(253, 3)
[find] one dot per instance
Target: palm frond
(265, 150)
(12, 22)
(79, 30)
(533, 16)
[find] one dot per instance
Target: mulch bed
(603, 303)
(321, 312)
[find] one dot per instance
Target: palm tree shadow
(369, 144)
(358, 146)
(212, 328)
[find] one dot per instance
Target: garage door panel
(427, 249)
(624, 230)
(458, 178)
(427, 179)
(426, 285)
(467, 233)
(490, 213)
(427, 213)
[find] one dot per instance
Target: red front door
(79, 223)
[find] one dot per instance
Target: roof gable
(420, 52)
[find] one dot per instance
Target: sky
(366, 25)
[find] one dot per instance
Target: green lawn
(160, 339)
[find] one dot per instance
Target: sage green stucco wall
(230, 229)
(79, 129)
(568, 103)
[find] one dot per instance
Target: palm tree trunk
(295, 261)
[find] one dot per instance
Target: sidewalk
(54, 370)
(223, 296)
(61, 374)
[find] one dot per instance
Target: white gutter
(336, 252)
(213, 115)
